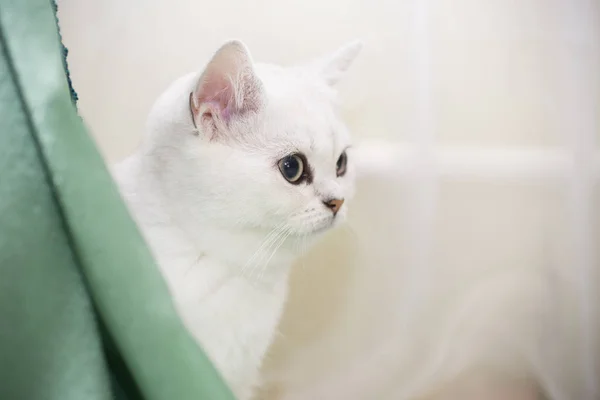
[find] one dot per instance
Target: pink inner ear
(228, 87)
(218, 93)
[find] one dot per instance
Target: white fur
(220, 218)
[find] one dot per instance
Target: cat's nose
(334, 205)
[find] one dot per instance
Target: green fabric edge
(50, 347)
(65, 53)
(125, 285)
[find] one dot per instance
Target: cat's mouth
(315, 225)
(313, 230)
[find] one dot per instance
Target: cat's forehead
(300, 113)
(315, 130)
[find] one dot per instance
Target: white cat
(241, 167)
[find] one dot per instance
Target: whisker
(274, 244)
(272, 235)
(280, 243)
(266, 245)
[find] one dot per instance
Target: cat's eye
(292, 168)
(341, 164)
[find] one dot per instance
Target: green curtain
(84, 312)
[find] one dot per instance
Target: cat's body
(233, 318)
(241, 166)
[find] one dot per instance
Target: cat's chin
(300, 243)
(319, 230)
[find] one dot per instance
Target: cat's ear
(332, 67)
(228, 88)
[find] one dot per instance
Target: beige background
(446, 277)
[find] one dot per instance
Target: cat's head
(257, 146)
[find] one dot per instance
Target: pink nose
(334, 205)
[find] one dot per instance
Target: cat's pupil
(291, 166)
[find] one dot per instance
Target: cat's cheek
(349, 188)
